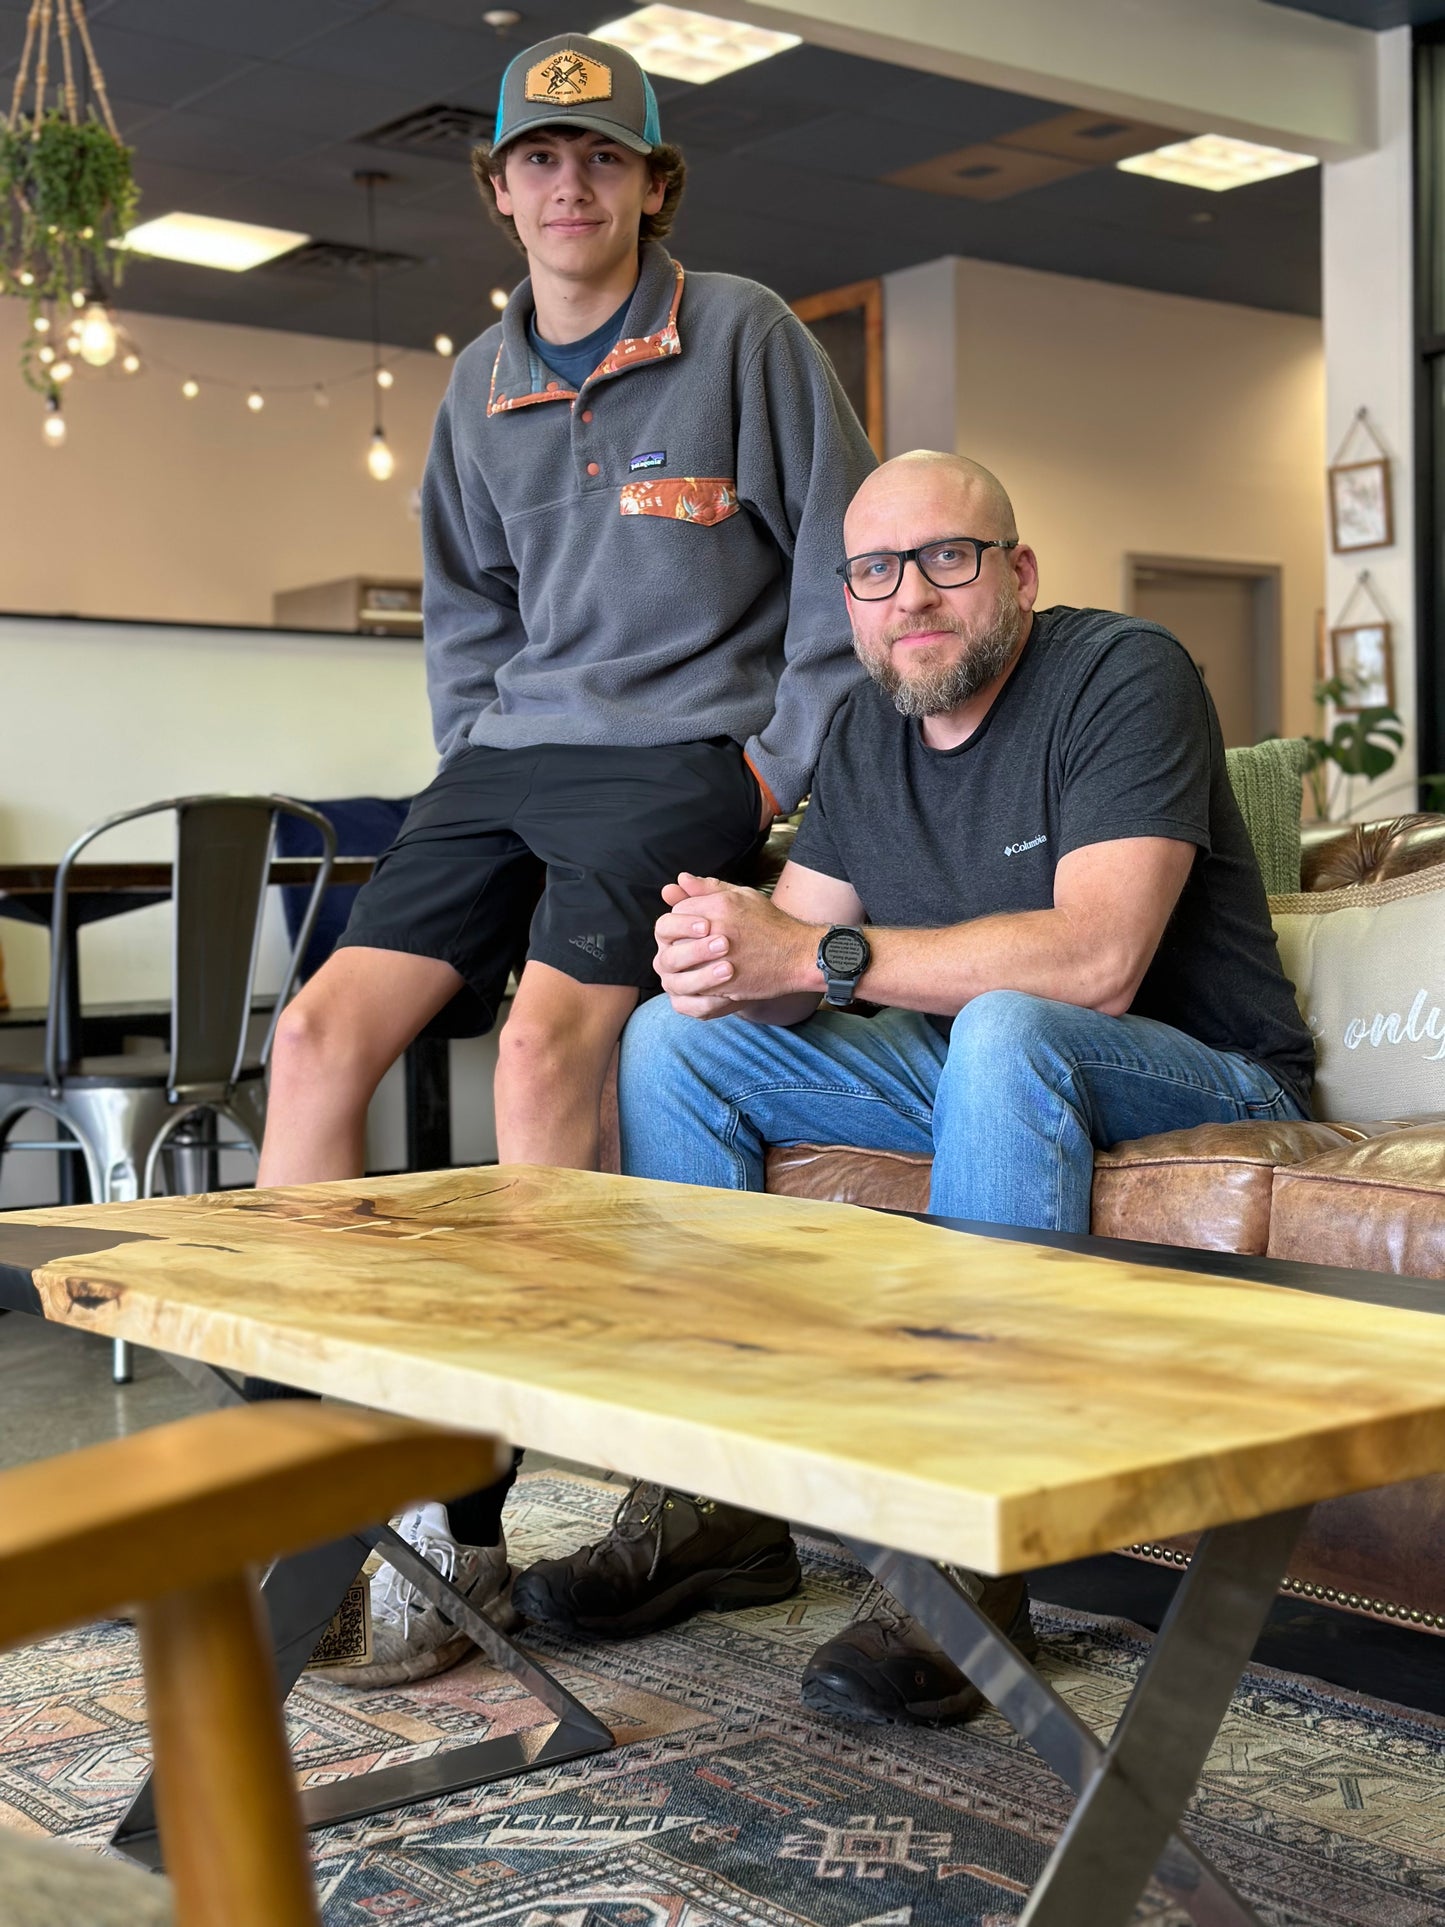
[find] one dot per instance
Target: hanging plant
(67, 187)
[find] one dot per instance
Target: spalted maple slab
(1001, 1405)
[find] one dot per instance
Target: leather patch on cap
(568, 79)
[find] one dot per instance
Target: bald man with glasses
(1023, 848)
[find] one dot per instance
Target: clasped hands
(720, 945)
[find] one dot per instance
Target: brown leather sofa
(1367, 1194)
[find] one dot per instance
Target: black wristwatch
(843, 956)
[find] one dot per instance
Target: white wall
(1369, 329)
(197, 511)
(1123, 422)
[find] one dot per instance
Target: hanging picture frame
(1361, 655)
(1361, 658)
(1361, 509)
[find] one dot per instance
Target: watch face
(844, 953)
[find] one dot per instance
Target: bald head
(944, 489)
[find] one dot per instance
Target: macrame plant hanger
(67, 16)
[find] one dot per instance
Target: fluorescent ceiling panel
(1216, 161)
(681, 45)
(207, 242)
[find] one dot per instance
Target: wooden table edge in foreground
(1132, 1791)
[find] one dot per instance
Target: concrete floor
(56, 1393)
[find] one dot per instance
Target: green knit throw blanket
(1267, 780)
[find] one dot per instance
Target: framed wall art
(1360, 657)
(849, 324)
(1361, 511)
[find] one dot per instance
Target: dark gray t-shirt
(1104, 730)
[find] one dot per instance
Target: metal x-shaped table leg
(1133, 1791)
(301, 1595)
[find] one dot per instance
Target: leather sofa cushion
(1375, 1553)
(1377, 1205)
(840, 1174)
(1208, 1188)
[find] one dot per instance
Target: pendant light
(380, 462)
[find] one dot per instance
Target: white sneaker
(411, 1638)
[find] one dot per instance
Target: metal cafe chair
(124, 1112)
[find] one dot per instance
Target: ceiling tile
(987, 171)
(264, 29)
(422, 54)
(324, 106)
(161, 72)
(189, 139)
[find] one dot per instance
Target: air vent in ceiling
(340, 257)
(446, 133)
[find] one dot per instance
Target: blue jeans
(1010, 1107)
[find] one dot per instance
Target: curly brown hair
(665, 161)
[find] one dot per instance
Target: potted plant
(67, 186)
(1363, 743)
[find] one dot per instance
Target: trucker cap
(575, 81)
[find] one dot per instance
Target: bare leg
(334, 1043)
(552, 1059)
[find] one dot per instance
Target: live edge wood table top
(998, 1405)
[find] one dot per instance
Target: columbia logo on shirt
(594, 946)
(1017, 849)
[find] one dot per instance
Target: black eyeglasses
(950, 564)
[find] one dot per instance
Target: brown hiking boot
(667, 1555)
(887, 1670)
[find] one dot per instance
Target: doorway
(1227, 616)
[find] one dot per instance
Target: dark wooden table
(101, 890)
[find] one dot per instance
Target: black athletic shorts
(557, 853)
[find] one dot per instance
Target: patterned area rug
(727, 1805)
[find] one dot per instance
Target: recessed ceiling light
(207, 242)
(1216, 161)
(681, 45)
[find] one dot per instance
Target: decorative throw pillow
(1368, 966)
(1267, 780)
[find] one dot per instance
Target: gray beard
(936, 692)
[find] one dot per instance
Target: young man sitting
(629, 517)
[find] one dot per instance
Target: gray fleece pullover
(650, 559)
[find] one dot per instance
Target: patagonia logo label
(1017, 849)
(657, 459)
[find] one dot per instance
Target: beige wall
(1125, 423)
(195, 511)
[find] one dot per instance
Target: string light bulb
(190, 389)
(499, 298)
(26, 278)
(72, 344)
(42, 324)
(62, 371)
(379, 458)
(444, 345)
(77, 297)
(384, 378)
(97, 336)
(53, 427)
(46, 354)
(131, 364)
(255, 401)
